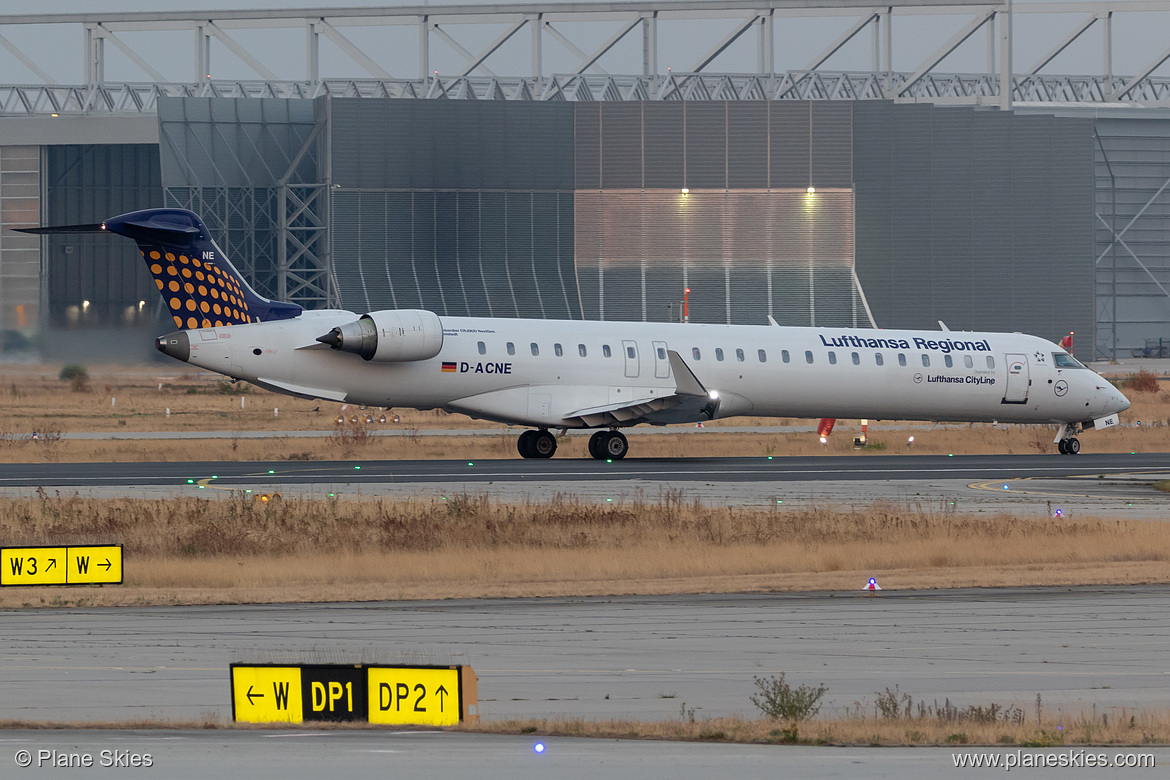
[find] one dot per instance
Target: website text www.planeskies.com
(1071, 758)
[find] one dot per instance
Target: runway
(1103, 484)
(778, 469)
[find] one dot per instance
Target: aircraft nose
(1117, 400)
(176, 345)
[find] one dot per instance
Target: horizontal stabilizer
(48, 231)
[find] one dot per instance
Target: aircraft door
(630, 348)
(661, 361)
(1018, 379)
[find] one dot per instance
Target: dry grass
(237, 550)
(131, 400)
(1118, 726)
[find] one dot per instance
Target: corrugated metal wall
(1133, 203)
(978, 218)
(85, 185)
(747, 237)
(458, 207)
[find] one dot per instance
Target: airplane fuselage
(541, 372)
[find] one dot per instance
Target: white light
(713, 395)
(85, 304)
(910, 440)
(141, 304)
(811, 190)
(686, 191)
(824, 440)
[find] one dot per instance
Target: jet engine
(390, 336)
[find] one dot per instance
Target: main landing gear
(608, 445)
(1067, 441)
(603, 445)
(536, 444)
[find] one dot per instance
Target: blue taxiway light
(538, 747)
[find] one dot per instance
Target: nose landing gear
(1066, 440)
(536, 444)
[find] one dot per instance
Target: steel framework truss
(471, 73)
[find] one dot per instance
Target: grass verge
(1119, 727)
(241, 551)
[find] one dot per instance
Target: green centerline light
(357, 468)
(271, 471)
(470, 463)
(190, 482)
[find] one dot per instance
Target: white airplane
(556, 374)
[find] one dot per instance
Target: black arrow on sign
(250, 695)
(52, 563)
(107, 564)
(442, 692)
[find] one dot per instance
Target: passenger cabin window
(511, 348)
(808, 357)
(877, 358)
(784, 356)
(535, 349)
(695, 352)
(719, 353)
(926, 360)
(558, 350)
(990, 362)
(605, 351)
(763, 356)
(856, 359)
(901, 358)
(968, 362)
(482, 348)
(630, 353)
(1064, 360)
(739, 355)
(949, 361)
(832, 358)
(661, 353)
(581, 349)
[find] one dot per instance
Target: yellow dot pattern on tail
(198, 292)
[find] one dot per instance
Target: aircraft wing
(688, 403)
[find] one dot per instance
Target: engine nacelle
(390, 336)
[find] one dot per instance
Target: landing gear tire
(524, 444)
(595, 450)
(1061, 446)
(1072, 447)
(613, 446)
(536, 444)
(542, 444)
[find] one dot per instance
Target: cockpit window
(1064, 360)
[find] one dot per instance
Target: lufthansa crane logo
(918, 379)
(1060, 388)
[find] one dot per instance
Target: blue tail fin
(200, 286)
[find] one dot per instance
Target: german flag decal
(449, 368)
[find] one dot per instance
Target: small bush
(780, 701)
(72, 372)
(1142, 382)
